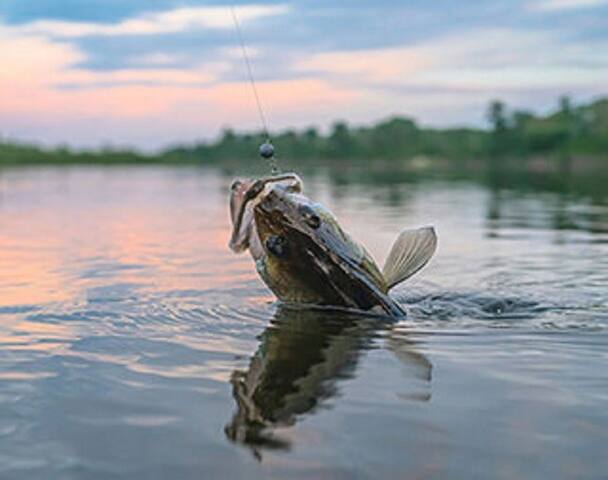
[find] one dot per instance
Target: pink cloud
(167, 101)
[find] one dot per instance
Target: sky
(155, 73)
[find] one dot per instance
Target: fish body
(305, 257)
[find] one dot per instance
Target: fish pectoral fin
(411, 251)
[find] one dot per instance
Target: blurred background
(134, 344)
(160, 73)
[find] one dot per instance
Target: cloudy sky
(150, 73)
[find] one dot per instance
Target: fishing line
(266, 149)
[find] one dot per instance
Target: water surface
(133, 344)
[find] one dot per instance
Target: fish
(305, 257)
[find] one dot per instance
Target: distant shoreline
(571, 137)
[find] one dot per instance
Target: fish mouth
(253, 192)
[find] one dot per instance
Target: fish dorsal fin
(411, 251)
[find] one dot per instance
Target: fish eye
(310, 217)
(276, 245)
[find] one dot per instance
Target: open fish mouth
(243, 197)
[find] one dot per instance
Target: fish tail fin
(411, 251)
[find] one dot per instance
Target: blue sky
(157, 72)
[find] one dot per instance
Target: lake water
(134, 344)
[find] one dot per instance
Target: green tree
(497, 117)
(498, 121)
(565, 105)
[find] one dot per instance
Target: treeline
(575, 130)
(568, 131)
(18, 154)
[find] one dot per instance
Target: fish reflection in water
(301, 358)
